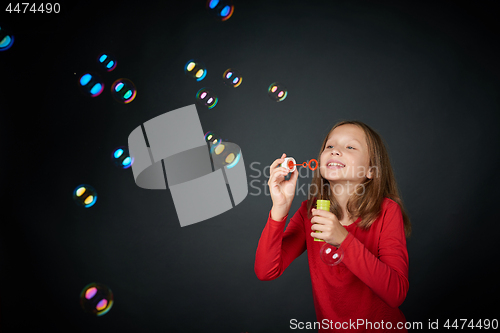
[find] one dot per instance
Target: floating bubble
(96, 299)
(220, 9)
(211, 138)
(107, 61)
(277, 91)
(123, 91)
(331, 255)
(225, 154)
(91, 84)
(206, 97)
(232, 78)
(121, 157)
(85, 195)
(6, 39)
(195, 69)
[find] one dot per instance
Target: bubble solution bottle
(329, 254)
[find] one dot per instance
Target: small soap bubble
(121, 157)
(206, 97)
(232, 78)
(220, 9)
(195, 69)
(123, 91)
(106, 61)
(91, 84)
(225, 154)
(96, 299)
(213, 141)
(85, 195)
(6, 39)
(211, 138)
(277, 91)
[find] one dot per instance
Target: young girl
(366, 219)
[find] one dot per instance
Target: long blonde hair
(367, 200)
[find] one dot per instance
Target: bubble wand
(291, 164)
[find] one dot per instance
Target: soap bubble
(96, 299)
(225, 154)
(213, 141)
(206, 97)
(6, 39)
(85, 195)
(331, 255)
(195, 69)
(107, 61)
(211, 138)
(123, 91)
(91, 84)
(277, 91)
(220, 9)
(121, 157)
(232, 78)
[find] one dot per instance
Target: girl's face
(346, 147)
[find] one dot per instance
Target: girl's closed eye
(349, 147)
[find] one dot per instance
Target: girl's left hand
(332, 231)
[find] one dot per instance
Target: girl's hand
(282, 191)
(332, 231)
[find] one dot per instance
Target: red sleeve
(277, 249)
(387, 275)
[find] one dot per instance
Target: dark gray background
(425, 75)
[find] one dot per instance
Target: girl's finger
(321, 220)
(317, 227)
(278, 161)
(316, 235)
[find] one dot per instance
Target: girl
(366, 219)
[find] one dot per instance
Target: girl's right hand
(282, 191)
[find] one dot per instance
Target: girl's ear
(371, 172)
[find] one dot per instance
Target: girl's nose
(335, 152)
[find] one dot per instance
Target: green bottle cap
(323, 205)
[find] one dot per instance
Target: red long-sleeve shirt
(370, 283)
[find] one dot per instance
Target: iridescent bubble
(232, 78)
(206, 98)
(85, 195)
(277, 91)
(91, 84)
(106, 61)
(121, 158)
(6, 39)
(220, 9)
(123, 91)
(211, 138)
(225, 154)
(195, 69)
(96, 299)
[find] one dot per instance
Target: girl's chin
(335, 179)
(334, 175)
(339, 178)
